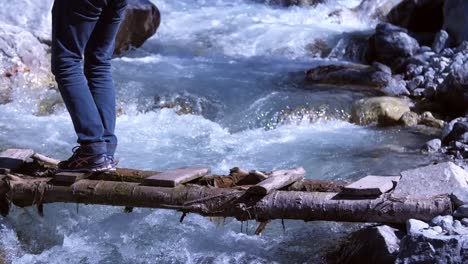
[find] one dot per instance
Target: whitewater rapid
(238, 65)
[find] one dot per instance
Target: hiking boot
(85, 162)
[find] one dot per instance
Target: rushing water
(236, 65)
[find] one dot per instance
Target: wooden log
(226, 202)
(277, 180)
(371, 186)
(13, 158)
(70, 177)
(175, 177)
(45, 159)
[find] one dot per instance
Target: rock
(461, 212)
(409, 119)
(375, 244)
(455, 130)
(376, 8)
(376, 75)
(414, 226)
(456, 20)
(454, 90)
(432, 146)
(441, 41)
(295, 2)
(464, 222)
(141, 21)
(391, 45)
(429, 120)
(445, 221)
(352, 47)
(433, 248)
(382, 110)
(442, 178)
(319, 48)
(418, 15)
(24, 61)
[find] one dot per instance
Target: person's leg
(72, 25)
(97, 67)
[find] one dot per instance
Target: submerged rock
(381, 110)
(391, 45)
(141, 21)
(375, 244)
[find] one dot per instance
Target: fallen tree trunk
(228, 202)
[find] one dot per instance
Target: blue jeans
(83, 41)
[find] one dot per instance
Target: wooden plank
(13, 158)
(175, 177)
(70, 177)
(277, 180)
(45, 159)
(371, 186)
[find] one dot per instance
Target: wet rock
(454, 90)
(461, 212)
(319, 48)
(185, 104)
(414, 226)
(456, 20)
(49, 105)
(436, 179)
(391, 45)
(418, 15)
(432, 146)
(350, 74)
(409, 119)
(24, 61)
(377, 244)
(455, 130)
(429, 120)
(381, 110)
(376, 8)
(352, 47)
(441, 41)
(293, 2)
(141, 21)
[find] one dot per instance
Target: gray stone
(409, 119)
(414, 226)
(351, 74)
(464, 222)
(416, 82)
(382, 110)
(443, 178)
(378, 244)
(419, 92)
(431, 247)
(453, 92)
(446, 222)
(390, 44)
(437, 229)
(429, 120)
(371, 185)
(456, 20)
(455, 130)
(432, 146)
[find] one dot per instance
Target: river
(237, 67)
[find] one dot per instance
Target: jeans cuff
(96, 148)
(111, 149)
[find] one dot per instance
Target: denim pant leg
(97, 67)
(72, 25)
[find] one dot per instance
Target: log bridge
(31, 179)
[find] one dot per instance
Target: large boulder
(23, 60)
(443, 178)
(141, 21)
(391, 45)
(456, 19)
(374, 244)
(418, 15)
(453, 92)
(383, 110)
